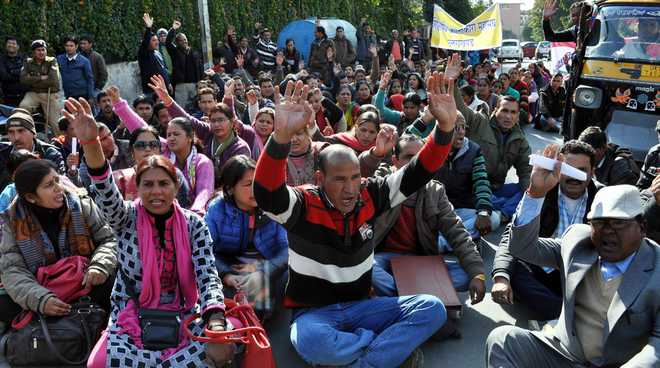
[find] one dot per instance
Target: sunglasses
(142, 145)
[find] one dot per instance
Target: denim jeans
(384, 284)
(506, 198)
(468, 217)
(378, 332)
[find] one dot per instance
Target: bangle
(481, 277)
(85, 143)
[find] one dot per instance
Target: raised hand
(176, 25)
(385, 81)
(148, 20)
(159, 86)
(373, 50)
(251, 97)
(113, 93)
(240, 61)
(229, 88)
(293, 114)
(453, 68)
(385, 140)
(541, 181)
(440, 91)
(79, 114)
(549, 8)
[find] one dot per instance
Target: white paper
(74, 148)
(549, 164)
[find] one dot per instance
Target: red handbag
(258, 352)
(63, 278)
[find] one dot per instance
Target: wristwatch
(484, 213)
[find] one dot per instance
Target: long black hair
(232, 172)
(186, 125)
(29, 175)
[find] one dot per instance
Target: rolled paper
(74, 148)
(549, 164)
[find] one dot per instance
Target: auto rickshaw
(615, 75)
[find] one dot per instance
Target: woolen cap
(37, 44)
(21, 118)
(616, 201)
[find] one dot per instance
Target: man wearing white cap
(610, 276)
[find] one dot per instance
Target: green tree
(561, 20)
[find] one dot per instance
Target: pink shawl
(150, 293)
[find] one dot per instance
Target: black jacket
(149, 62)
(187, 66)
(552, 104)
(568, 35)
(618, 167)
(649, 170)
(10, 75)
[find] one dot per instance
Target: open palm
(441, 101)
(79, 115)
(453, 68)
(160, 88)
(549, 8)
(294, 112)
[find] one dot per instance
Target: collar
(72, 58)
(622, 265)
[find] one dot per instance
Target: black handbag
(57, 341)
(159, 328)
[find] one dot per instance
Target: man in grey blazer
(610, 280)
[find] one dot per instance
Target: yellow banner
(483, 32)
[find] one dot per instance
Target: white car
(510, 49)
(543, 50)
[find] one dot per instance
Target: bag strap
(53, 349)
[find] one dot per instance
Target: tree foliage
(117, 24)
(561, 20)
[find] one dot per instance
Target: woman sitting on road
(165, 261)
(250, 249)
(46, 223)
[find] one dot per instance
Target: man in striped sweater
(267, 50)
(331, 247)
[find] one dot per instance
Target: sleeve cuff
(276, 150)
(100, 173)
(442, 138)
(501, 274)
(528, 209)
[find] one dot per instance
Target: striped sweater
(330, 254)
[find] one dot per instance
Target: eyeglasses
(218, 120)
(142, 145)
(614, 224)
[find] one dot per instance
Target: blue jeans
(384, 284)
(379, 332)
(506, 198)
(468, 217)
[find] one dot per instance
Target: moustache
(574, 182)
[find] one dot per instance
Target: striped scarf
(33, 242)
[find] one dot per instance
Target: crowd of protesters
(296, 183)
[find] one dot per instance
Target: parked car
(529, 49)
(510, 49)
(543, 50)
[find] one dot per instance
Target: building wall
(511, 19)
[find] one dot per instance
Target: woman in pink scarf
(165, 257)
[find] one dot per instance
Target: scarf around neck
(35, 245)
(217, 148)
(190, 168)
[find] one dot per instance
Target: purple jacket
(203, 187)
(204, 133)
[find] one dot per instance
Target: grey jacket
(632, 332)
(21, 284)
(435, 215)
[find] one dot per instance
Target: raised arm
(148, 33)
(108, 198)
(389, 115)
(281, 202)
(126, 114)
(421, 169)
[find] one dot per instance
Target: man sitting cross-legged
(412, 228)
(331, 245)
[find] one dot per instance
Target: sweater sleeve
(208, 282)
(204, 184)
(132, 120)
(552, 36)
(481, 184)
(390, 116)
(105, 254)
(280, 202)
(395, 188)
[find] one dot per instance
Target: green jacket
(32, 72)
(434, 215)
(500, 156)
